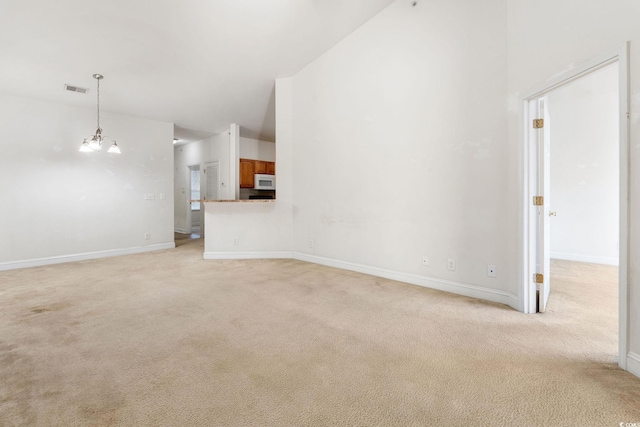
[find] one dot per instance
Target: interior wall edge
(247, 255)
(565, 256)
(458, 288)
(633, 363)
(463, 289)
(40, 262)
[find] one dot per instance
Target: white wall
(412, 122)
(199, 153)
(572, 33)
(405, 123)
(59, 204)
(585, 169)
(262, 229)
(257, 150)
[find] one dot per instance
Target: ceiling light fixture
(94, 143)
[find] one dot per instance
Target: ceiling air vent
(75, 89)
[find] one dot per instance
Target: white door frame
(539, 185)
(204, 189)
(188, 220)
(204, 185)
(527, 290)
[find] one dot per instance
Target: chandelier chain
(98, 109)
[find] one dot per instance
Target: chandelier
(94, 143)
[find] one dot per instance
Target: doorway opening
(586, 170)
(194, 212)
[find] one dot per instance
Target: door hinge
(538, 278)
(538, 123)
(538, 201)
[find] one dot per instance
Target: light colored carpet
(166, 338)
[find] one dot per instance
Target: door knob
(552, 213)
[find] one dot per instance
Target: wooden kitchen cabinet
(268, 168)
(247, 172)
(249, 167)
(261, 166)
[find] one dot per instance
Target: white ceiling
(201, 64)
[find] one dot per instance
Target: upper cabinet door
(247, 172)
(261, 166)
(271, 168)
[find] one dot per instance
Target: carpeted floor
(167, 339)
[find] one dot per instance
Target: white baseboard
(472, 291)
(38, 262)
(584, 258)
(247, 255)
(180, 230)
(633, 363)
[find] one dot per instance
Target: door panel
(247, 173)
(211, 175)
(544, 189)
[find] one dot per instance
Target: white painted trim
(584, 258)
(180, 230)
(633, 363)
(247, 255)
(234, 161)
(527, 287)
(458, 288)
(623, 270)
(464, 289)
(188, 223)
(575, 73)
(39, 262)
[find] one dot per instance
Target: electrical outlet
(311, 243)
(147, 236)
(491, 270)
(425, 260)
(451, 264)
(235, 240)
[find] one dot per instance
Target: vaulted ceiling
(201, 64)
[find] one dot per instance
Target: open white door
(212, 178)
(193, 221)
(543, 262)
(210, 185)
(532, 216)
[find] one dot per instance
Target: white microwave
(264, 182)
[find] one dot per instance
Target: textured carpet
(166, 338)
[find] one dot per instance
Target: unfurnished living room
(313, 213)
